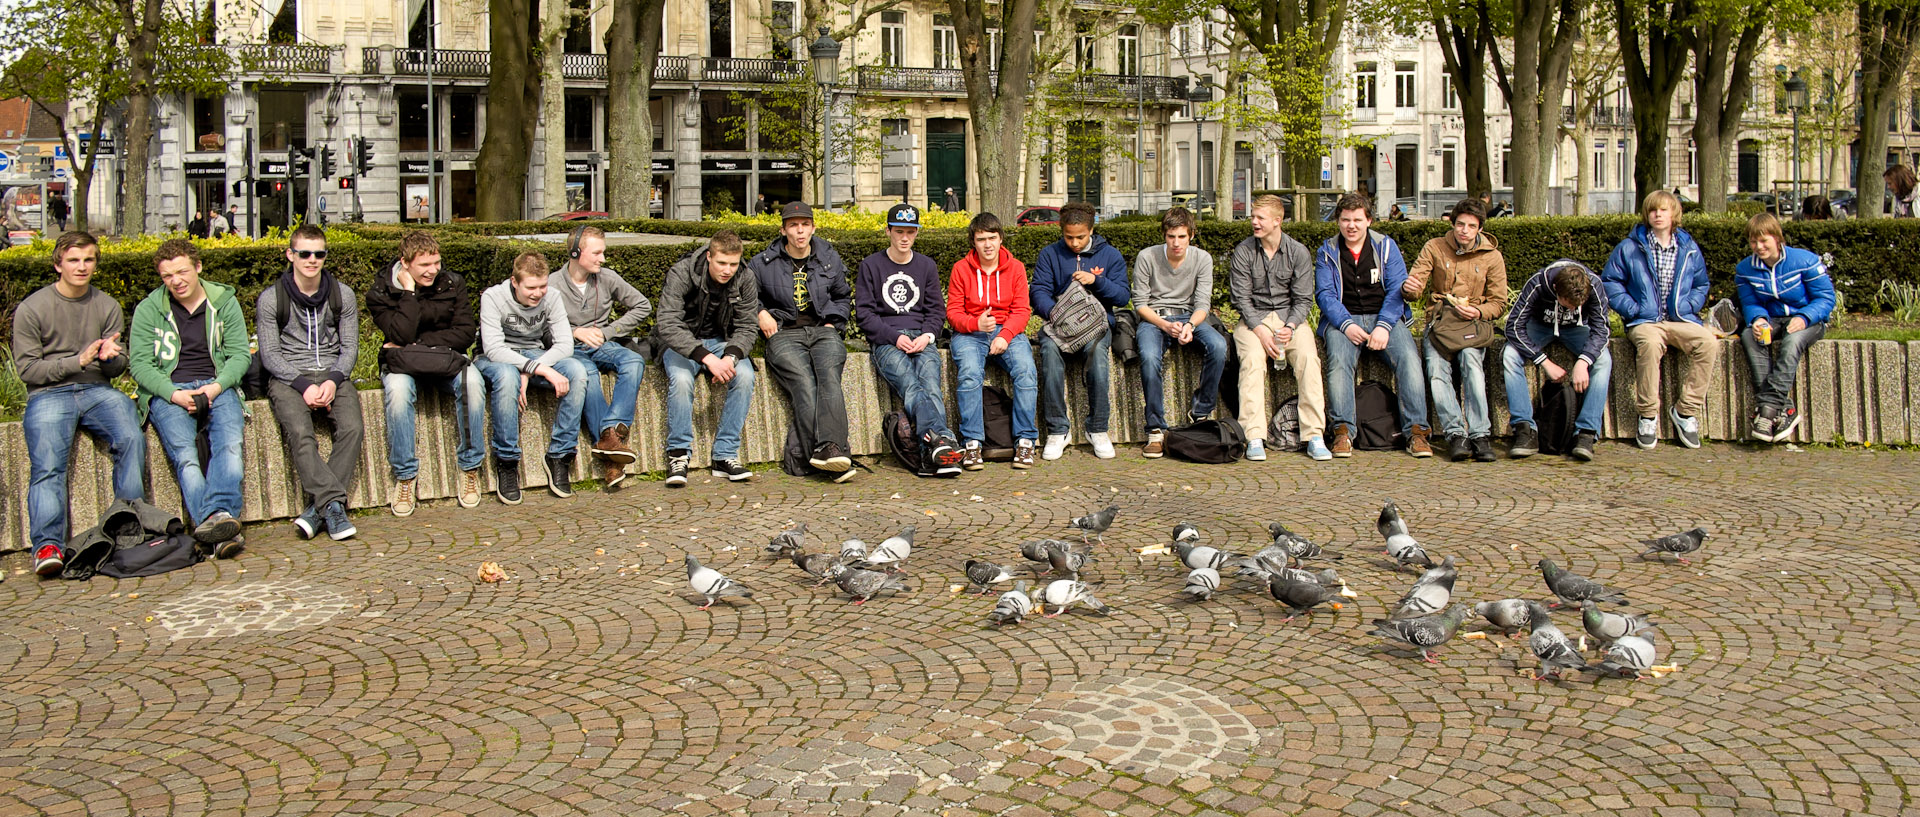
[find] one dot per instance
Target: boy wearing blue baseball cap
(901, 308)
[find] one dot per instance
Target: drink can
(1764, 333)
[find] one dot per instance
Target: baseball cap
(796, 209)
(903, 215)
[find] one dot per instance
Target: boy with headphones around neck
(589, 292)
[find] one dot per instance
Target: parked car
(1037, 215)
(1768, 202)
(1844, 203)
(1200, 204)
(578, 215)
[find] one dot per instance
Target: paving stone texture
(379, 676)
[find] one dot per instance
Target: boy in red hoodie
(988, 310)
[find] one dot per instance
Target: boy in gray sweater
(66, 342)
(589, 291)
(309, 329)
(525, 339)
(1172, 293)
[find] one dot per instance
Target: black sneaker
(830, 456)
(1766, 422)
(731, 468)
(506, 481)
(1526, 442)
(338, 525)
(231, 547)
(1457, 449)
(943, 450)
(1582, 446)
(1784, 426)
(560, 475)
(677, 468)
(1482, 449)
(307, 525)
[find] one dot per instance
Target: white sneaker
(1647, 434)
(1256, 451)
(1102, 444)
(1056, 446)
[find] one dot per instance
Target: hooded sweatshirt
(972, 290)
(1054, 269)
(311, 337)
(894, 299)
(154, 346)
(507, 326)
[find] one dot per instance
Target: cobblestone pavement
(377, 676)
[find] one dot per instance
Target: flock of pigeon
(1423, 619)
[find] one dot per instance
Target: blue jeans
(1153, 346)
(1593, 406)
(1446, 402)
(1053, 383)
(1774, 369)
(733, 416)
(1343, 357)
(916, 378)
(503, 389)
(627, 367)
(400, 391)
(218, 489)
(53, 414)
(970, 357)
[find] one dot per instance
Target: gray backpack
(1284, 434)
(1078, 319)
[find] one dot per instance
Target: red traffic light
(346, 183)
(279, 187)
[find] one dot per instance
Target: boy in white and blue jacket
(1358, 275)
(1786, 295)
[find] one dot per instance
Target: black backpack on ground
(996, 409)
(795, 460)
(898, 428)
(1377, 411)
(1284, 434)
(1208, 441)
(1555, 417)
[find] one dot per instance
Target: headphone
(573, 242)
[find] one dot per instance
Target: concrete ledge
(1856, 391)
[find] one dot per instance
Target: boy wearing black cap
(803, 306)
(902, 309)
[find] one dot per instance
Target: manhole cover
(1139, 724)
(269, 607)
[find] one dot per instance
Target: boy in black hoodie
(309, 351)
(902, 307)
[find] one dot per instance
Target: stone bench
(1855, 391)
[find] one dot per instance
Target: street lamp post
(1199, 94)
(826, 69)
(1796, 101)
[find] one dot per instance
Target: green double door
(947, 162)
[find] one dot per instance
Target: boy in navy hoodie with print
(1079, 257)
(902, 309)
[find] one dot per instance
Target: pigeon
(1676, 544)
(1573, 589)
(1065, 593)
(865, 584)
(788, 540)
(1510, 615)
(1606, 627)
(892, 553)
(1013, 606)
(1628, 657)
(817, 565)
(1194, 556)
(1298, 547)
(1302, 597)
(1400, 544)
(1550, 645)
(1095, 523)
(1430, 594)
(985, 575)
(1201, 583)
(1063, 558)
(853, 550)
(709, 583)
(1186, 532)
(1425, 633)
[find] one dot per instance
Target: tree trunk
(513, 104)
(1223, 154)
(1543, 35)
(999, 108)
(633, 45)
(1652, 77)
(142, 27)
(1723, 78)
(1465, 54)
(1887, 34)
(82, 188)
(554, 18)
(1582, 128)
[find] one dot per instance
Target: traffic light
(362, 156)
(263, 188)
(346, 182)
(279, 187)
(326, 162)
(239, 189)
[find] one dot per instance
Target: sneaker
(307, 524)
(1582, 446)
(506, 481)
(1766, 424)
(1526, 442)
(1102, 444)
(470, 488)
(730, 468)
(1784, 427)
(217, 527)
(1257, 450)
(943, 450)
(1686, 429)
(844, 476)
(1023, 454)
(338, 525)
(1482, 448)
(1342, 440)
(48, 561)
(971, 457)
(1417, 444)
(829, 456)
(612, 473)
(403, 500)
(612, 445)
(1647, 436)
(1457, 449)
(677, 468)
(1317, 449)
(231, 547)
(1156, 444)
(1056, 446)
(560, 475)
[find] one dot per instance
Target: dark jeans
(328, 479)
(1775, 369)
(807, 361)
(1053, 383)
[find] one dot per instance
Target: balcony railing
(1128, 86)
(673, 69)
(928, 80)
(444, 62)
(583, 66)
(730, 69)
(275, 58)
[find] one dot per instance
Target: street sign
(60, 174)
(59, 151)
(106, 145)
(6, 161)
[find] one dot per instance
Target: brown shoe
(1156, 444)
(1023, 454)
(612, 473)
(1342, 440)
(1417, 444)
(613, 445)
(403, 500)
(470, 488)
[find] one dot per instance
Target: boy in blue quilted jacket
(1786, 298)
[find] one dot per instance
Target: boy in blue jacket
(902, 308)
(1559, 304)
(1357, 275)
(1786, 298)
(1079, 257)
(1657, 280)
